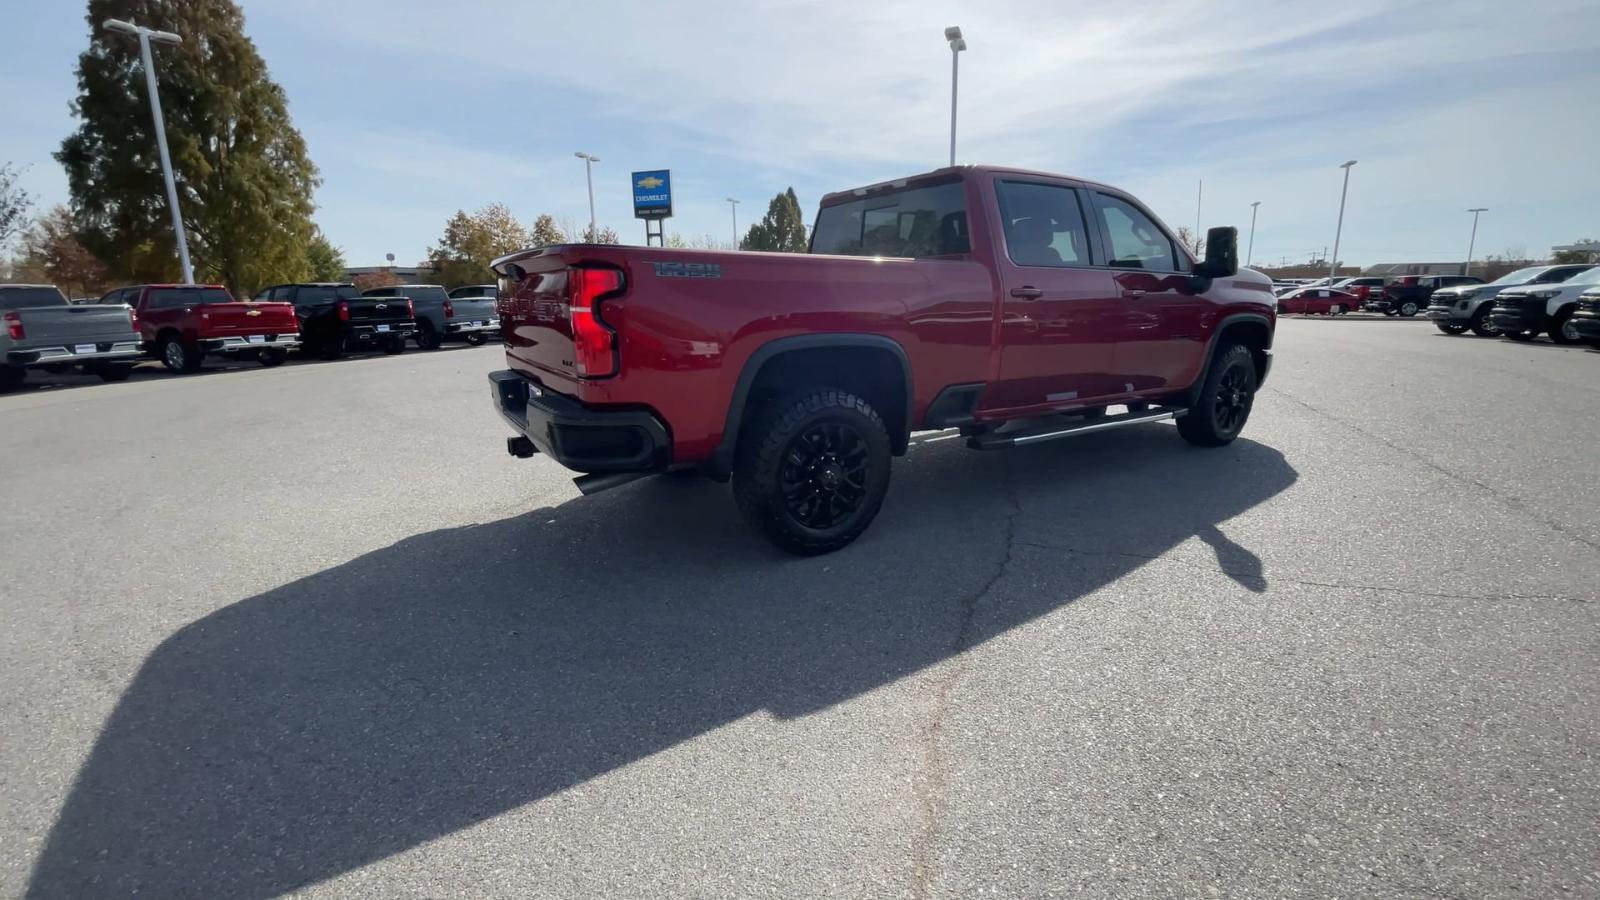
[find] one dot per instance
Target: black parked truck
(335, 318)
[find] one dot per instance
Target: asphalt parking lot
(312, 630)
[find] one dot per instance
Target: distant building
(1389, 270)
(1306, 270)
(418, 274)
(1579, 247)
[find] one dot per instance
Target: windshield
(1520, 276)
(189, 296)
(422, 293)
(26, 297)
(927, 220)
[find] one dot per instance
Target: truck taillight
(14, 326)
(594, 343)
(133, 319)
(344, 311)
(449, 311)
(411, 309)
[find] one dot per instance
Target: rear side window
(171, 298)
(25, 297)
(1044, 224)
(1134, 239)
(924, 221)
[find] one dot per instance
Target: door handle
(1026, 292)
(1133, 293)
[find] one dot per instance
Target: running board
(999, 440)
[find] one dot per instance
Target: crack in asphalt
(1509, 501)
(934, 763)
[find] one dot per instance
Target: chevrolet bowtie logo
(253, 312)
(650, 182)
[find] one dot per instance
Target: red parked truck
(1016, 306)
(182, 324)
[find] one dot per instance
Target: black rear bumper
(579, 437)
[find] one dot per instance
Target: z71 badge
(687, 270)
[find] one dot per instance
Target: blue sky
(414, 109)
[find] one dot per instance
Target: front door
(1058, 321)
(1162, 340)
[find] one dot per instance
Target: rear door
(1059, 309)
(1162, 336)
(160, 310)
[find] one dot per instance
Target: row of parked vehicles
(1562, 301)
(183, 324)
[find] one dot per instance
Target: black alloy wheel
(824, 475)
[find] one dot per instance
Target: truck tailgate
(69, 325)
(378, 310)
(475, 309)
(234, 319)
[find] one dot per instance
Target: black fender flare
(1191, 395)
(722, 458)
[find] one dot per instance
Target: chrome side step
(999, 440)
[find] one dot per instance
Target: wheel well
(871, 373)
(168, 334)
(1255, 336)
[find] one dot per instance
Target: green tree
(324, 261)
(546, 232)
(607, 235)
(244, 179)
(15, 204)
(782, 229)
(473, 241)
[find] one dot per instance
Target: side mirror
(1222, 253)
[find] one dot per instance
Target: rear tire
(394, 348)
(114, 373)
(1480, 324)
(271, 358)
(1225, 401)
(11, 377)
(1451, 327)
(476, 339)
(1521, 337)
(812, 471)
(1409, 309)
(1336, 310)
(1561, 330)
(180, 357)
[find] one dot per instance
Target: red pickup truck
(181, 324)
(1016, 306)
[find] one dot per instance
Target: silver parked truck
(39, 329)
(442, 317)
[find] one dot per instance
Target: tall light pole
(1199, 191)
(1333, 264)
(145, 36)
(733, 208)
(1251, 253)
(957, 44)
(1473, 242)
(589, 159)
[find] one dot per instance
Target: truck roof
(13, 284)
(962, 170)
(176, 287)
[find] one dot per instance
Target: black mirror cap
(1222, 253)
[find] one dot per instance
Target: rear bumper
(357, 336)
(480, 326)
(245, 345)
(579, 437)
(116, 351)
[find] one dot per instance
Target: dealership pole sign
(652, 194)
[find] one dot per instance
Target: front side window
(1043, 224)
(929, 220)
(1134, 240)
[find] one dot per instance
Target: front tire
(1225, 401)
(1480, 323)
(180, 357)
(1561, 330)
(1521, 337)
(812, 471)
(427, 338)
(1409, 308)
(1451, 327)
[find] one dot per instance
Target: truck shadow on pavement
(431, 685)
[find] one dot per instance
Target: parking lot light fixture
(1333, 264)
(733, 208)
(589, 159)
(1473, 241)
(957, 44)
(1250, 253)
(145, 36)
